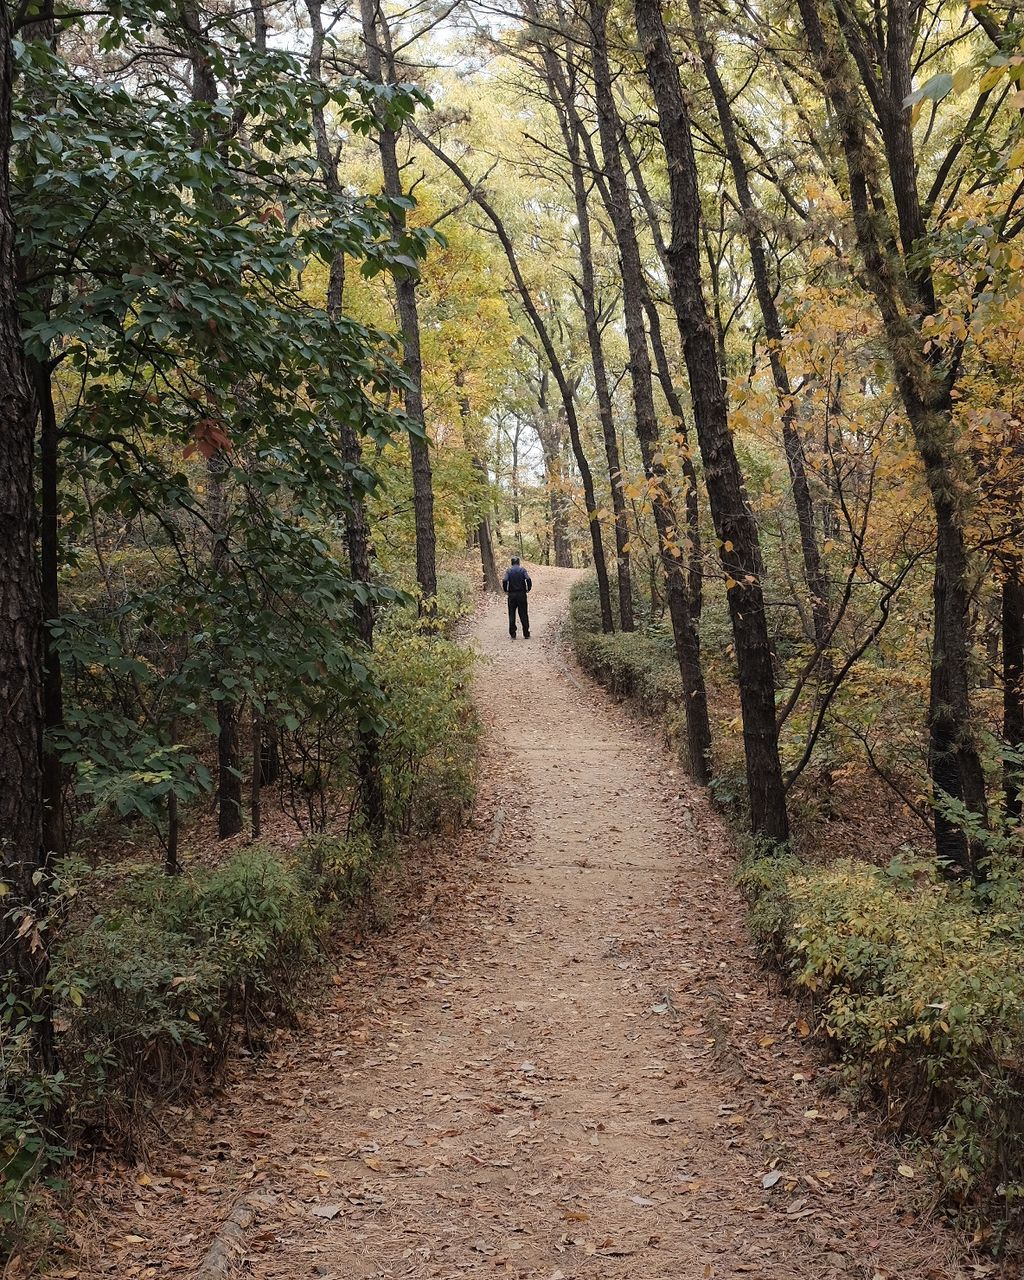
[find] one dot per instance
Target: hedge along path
(567, 1064)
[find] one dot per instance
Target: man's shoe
(526, 635)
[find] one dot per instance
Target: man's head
(515, 559)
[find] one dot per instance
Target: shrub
(428, 745)
(637, 664)
(919, 983)
(338, 871)
(164, 977)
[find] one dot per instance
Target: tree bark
(734, 524)
(22, 946)
(229, 773)
(551, 443)
(376, 39)
(572, 135)
(792, 439)
(904, 293)
(53, 697)
(256, 783)
(488, 565)
(695, 568)
(1013, 682)
(673, 555)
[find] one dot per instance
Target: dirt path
(567, 1067)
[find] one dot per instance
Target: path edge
(228, 1244)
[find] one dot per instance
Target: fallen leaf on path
(770, 1179)
(326, 1210)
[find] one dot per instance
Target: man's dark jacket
(516, 581)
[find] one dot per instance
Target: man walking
(516, 584)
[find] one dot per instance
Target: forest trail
(568, 1066)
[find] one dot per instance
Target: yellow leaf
(905, 1171)
(990, 79)
(962, 78)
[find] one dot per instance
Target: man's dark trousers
(517, 604)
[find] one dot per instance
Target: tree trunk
(22, 946)
(270, 756)
(256, 785)
(488, 566)
(229, 774)
(1013, 682)
(687, 638)
(904, 292)
(53, 698)
(365, 739)
(734, 524)
(376, 39)
(561, 540)
(229, 779)
(792, 439)
(571, 131)
(695, 567)
(480, 536)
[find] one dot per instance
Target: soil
(563, 1063)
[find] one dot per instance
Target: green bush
(167, 974)
(31, 1143)
(919, 983)
(428, 746)
(637, 664)
(339, 871)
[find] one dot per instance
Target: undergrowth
(918, 983)
(637, 664)
(154, 979)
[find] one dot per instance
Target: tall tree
(602, 390)
(853, 60)
(687, 638)
(218, 466)
(766, 298)
(357, 529)
(381, 70)
(565, 390)
(560, 96)
(22, 950)
(739, 547)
